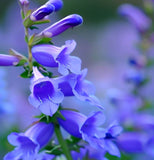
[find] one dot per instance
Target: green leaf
(33, 27)
(30, 41)
(26, 74)
(41, 21)
(21, 62)
(41, 40)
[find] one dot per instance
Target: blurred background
(105, 41)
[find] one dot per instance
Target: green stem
(62, 142)
(29, 50)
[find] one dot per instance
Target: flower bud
(46, 9)
(62, 25)
(8, 60)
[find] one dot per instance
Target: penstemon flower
(53, 56)
(8, 60)
(45, 94)
(46, 9)
(135, 16)
(62, 25)
(29, 143)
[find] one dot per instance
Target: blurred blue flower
(45, 94)
(53, 56)
(135, 16)
(132, 142)
(76, 85)
(29, 143)
(62, 25)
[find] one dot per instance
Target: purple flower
(90, 130)
(29, 143)
(52, 56)
(135, 16)
(62, 25)
(45, 94)
(72, 123)
(97, 136)
(8, 60)
(46, 9)
(75, 84)
(136, 77)
(131, 142)
(89, 152)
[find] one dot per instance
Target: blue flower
(62, 25)
(53, 56)
(73, 122)
(89, 152)
(132, 142)
(46, 9)
(75, 84)
(8, 60)
(45, 94)
(135, 16)
(29, 143)
(90, 130)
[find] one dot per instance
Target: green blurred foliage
(92, 11)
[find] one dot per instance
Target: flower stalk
(62, 142)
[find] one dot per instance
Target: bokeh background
(105, 41)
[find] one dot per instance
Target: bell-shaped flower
(46, 9)
(62, 25)
(45, 94)
(29, 143)
(135, 16)
(98, 137)
(90, 130)
(8, 60)
(72, 123)
(53, 56)
(76, 85)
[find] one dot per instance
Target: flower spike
(62, 25)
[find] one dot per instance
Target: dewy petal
(8, 60)
(46, 54)
(136, 16)
(72, 123)
(62, 25)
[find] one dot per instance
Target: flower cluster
(89, 139)
(134, 108)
